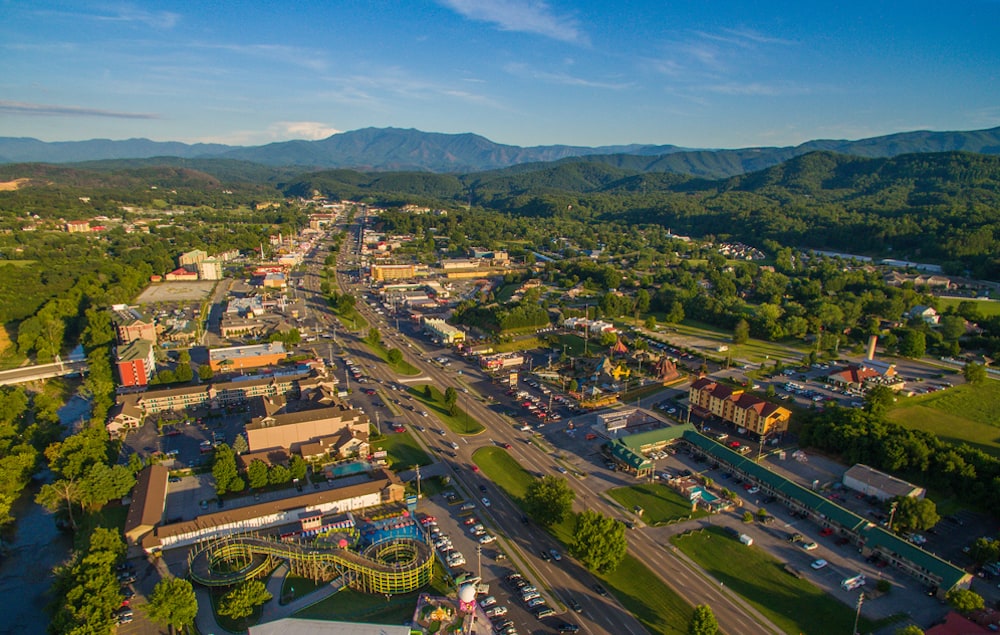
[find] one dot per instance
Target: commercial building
(210, 269)
(393, 272)
(383, 487)
(149, 497)
(216, 395)
(191, 257)
(242, 357)
(132, 324)
(77, 226)
(869, 538)
(443, 332)
(277, 423)
(136, 363)
(502, 361)
(734, 406)
(871, 482)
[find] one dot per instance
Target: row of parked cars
(442, 542)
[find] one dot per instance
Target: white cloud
(525, 16)
(124, 13)
(310, 130)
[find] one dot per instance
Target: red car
(505, 446)
(826, 531)
(734, 444)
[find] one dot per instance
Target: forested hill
(942, 207)
(395, 149)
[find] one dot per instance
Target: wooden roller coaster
(397, 565)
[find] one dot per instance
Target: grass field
(403, 450)
(402, 367)
(794, 604)
(962, 414)
(8, 350)
(461, 424)
(660, 504)
(353, 606)
(519, 344)
(988, 308)
(642, 593)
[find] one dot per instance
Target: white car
(809, 546)
(486, 502)
(487, 539)
(487, 601)
(819, 564)
(496, 611)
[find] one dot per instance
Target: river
(36, 548)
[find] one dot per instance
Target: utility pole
(857, 616)
(378, 428)
(417, 468)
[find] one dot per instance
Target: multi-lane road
(566, 579)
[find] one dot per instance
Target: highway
(566, 578)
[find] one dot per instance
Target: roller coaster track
(393, 566)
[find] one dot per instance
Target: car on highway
(568, 627)
(819, 564)
(601, 590)
(545, 555)
(486, 502)
(555, 555)
(575, 605)
(809, 546)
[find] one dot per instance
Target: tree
(244, 599)
(53, 496)
(450, 396)
(183, 372)
(916, 514)
(394, 356)
(227, 477)
(741, 332)
(104, 483)
(913, 344)
(879, 399)
(910, 629)
(952, 327)
(549, 500)
(205, 372)
(278, 474)
(599, 541)
(651, 323)
(257, 474)
(703, 621)
(985, 550)
(974, 373)
(298, 467)
(240, 444)
(373, 338)
(964, 600)
(172, 604)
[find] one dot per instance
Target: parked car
(487, 601)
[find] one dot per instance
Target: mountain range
(396, 149)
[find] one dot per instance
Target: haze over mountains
(396, 149)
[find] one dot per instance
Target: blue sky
(694, 73)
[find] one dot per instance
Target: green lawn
(794, 604)
(401, 367)
(294, 587)
(349, 605)
(644, 595)
(988, 308)
(963, 414)
(460, 424)
(503, 470)
(403, 450)
(660, 504)
(518, 344)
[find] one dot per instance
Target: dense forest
(941, 208)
